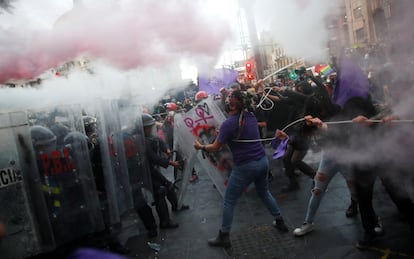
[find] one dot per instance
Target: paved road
(254, 237)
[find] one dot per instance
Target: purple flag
(352, 82)
(279, 148)
(212, 81)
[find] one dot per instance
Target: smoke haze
(299, 26)
(133, 45)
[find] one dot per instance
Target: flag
(327, 70)
(280, 148)
(212, 81)
(318, 68)
(352, 82)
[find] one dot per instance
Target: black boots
(280, 225)
(352, 209)
(168, 224)
(145, 213)
(222, 240)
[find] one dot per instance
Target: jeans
(328, 167)
(240, 178)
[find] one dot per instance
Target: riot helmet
(76, 139)
(200, 95)
(60, 132)
(42, 138)
(171, 106)
(89, 123)
(147, 120)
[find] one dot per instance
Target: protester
(299, 139)
(350, 100)
(367, 172)
(250, 165)
(328, 167)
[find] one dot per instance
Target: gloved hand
(163, 190)
(169, 186)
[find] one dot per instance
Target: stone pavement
(253, 236)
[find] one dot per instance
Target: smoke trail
(136, 34)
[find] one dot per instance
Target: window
(360, 35)
(357, 12)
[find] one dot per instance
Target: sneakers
(303, 230)
(280, 225)
(352, 209)
(367, 240)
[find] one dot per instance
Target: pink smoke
(140, 34)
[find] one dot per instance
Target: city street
(253, 236)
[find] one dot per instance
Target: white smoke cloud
(136, 34)
(135, 47)
(299, 26)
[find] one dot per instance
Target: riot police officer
(138, 178)
(90, 125)
(162, 187)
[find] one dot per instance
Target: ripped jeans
(328, 167)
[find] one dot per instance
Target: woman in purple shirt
(250, 165)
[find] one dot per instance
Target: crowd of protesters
(318, 99)
(307, 104)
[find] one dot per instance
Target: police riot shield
(68, 186)
(134, 147)
(202, 123)
(113, 167)
(185, 154)
(23, 211)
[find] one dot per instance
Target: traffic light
(249, 69)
